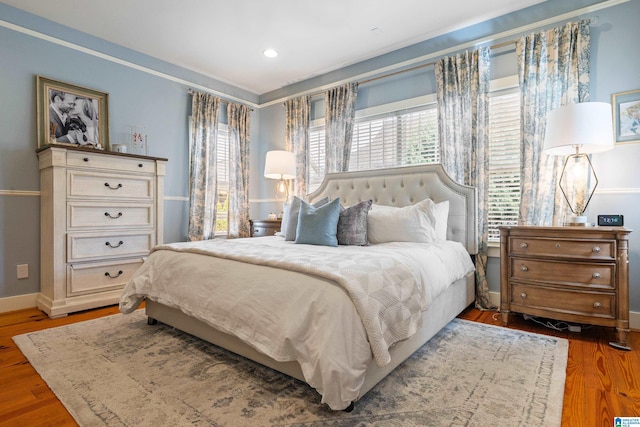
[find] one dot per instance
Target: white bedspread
(294, 310)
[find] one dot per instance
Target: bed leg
(151, 321)
(349, 408)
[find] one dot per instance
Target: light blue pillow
(318, 225)
(292, 216)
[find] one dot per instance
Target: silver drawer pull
(120, 243)
(596, 249)
(596, 275)
(523, 295)
(524, 268)
(106, 184)
(597, 304)
(113, 217)
(558, 245)
(107, 274)
(524, 245)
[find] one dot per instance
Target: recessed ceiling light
(270, 53)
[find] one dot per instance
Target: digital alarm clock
(611, 220)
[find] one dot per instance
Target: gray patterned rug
(118, 371)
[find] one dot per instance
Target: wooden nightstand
(264, 227)
(575, 274)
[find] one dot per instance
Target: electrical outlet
(575, 328)
(22, 271)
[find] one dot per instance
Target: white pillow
(415, 223)
(284, 222)
(441, 213)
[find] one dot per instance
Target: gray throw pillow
(294, 210)
(352, 224)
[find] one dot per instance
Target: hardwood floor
(601, 382)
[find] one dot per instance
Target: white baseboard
(634, 316)
(19, 302)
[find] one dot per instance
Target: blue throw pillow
(318, 225)
(292, 216)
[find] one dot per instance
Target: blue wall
(161, 104)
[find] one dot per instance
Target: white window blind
(399, 138)
(222, 165)
(504, 161)
(315, 157)
(395, 139)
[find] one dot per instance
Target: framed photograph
(71, 115)
(626, 116)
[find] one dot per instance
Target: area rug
(119, 371)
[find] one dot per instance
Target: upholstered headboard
(405, 186)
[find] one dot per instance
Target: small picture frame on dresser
(71, 115)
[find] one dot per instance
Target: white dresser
(100, 214)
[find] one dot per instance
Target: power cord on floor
(557, 326)
(548, 323)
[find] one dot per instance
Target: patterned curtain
(553, 70)
(239, 122)
(298, 115)
(340, 113)
(463, 123)
(203, 191)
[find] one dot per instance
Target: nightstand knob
(524, 245)
(596, 275)
(524, 268)
(596, 249)
(523, 295)
(597, 304)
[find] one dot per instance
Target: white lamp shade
(587, 125)
(280, 164)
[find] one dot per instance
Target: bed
(322, 329)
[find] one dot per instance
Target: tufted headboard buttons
(404, 186)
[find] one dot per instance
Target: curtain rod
(246, 104)
(417, 67)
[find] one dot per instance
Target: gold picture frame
(71, 115)
(626, 116)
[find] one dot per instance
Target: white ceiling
(225, 39)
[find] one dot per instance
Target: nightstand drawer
(594, 304)
(264, 227)
(583, 249)
(596, 275)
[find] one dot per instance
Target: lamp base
(577, 221)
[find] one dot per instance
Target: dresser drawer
(88, 246)
(87, 278)
(596, 304)
(583, 249)
(111, 186)
(596, 275)
(82, 215)
(95, 161)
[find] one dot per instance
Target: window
(222, 164)
(409, 136)
(222, 167)
(399, 138)
(504, 161)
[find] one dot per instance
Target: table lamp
(577, 130)
(280, 165)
